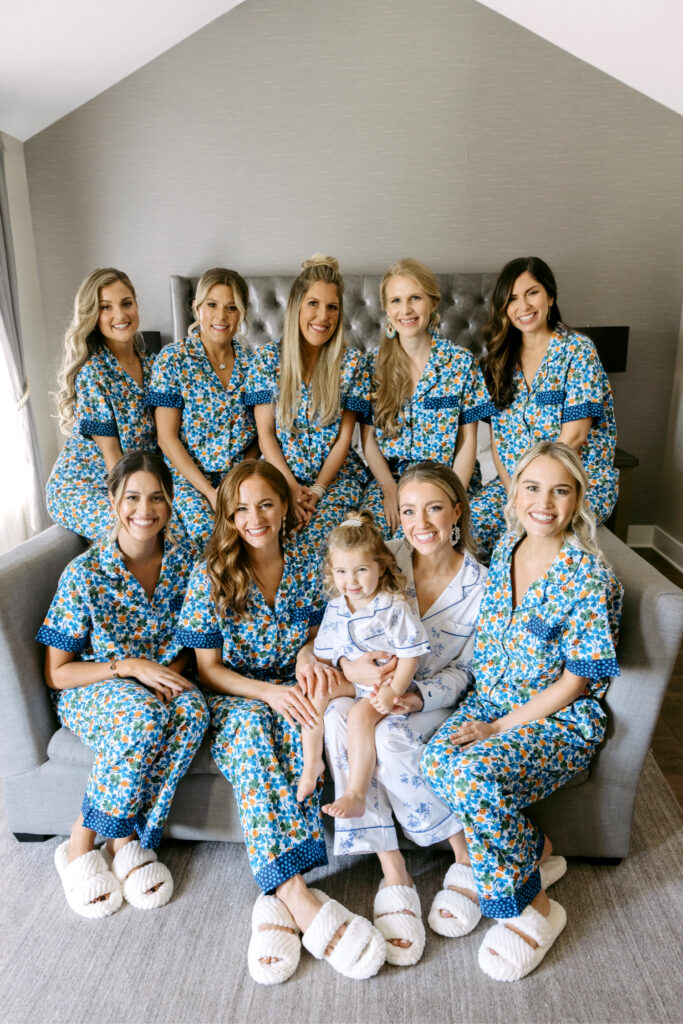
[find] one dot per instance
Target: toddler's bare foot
(408, 703)
(309, 780)
(351, 805)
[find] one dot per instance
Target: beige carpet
(619, 958)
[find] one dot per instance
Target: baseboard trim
(658, 539)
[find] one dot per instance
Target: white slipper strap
(131, 856)
(324, 927)
(460, 875)
(271, 911)
(531, 923)
(394, 899)
(351, 945)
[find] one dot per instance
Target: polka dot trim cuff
(204, 641)
(308, 855)
(56, 638)
(98, 428)
(164, 399)
(582, 412)
(594, 669)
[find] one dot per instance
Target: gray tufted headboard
(463, 308)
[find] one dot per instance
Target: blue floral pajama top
(568, 618)
(450, 392)
(101, 611)
(216, 425)
(109, 403)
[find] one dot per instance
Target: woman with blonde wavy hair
(427, 393)
(544, 654)
(198, 387)
(102, 401)
(307, 391)
(251, 607)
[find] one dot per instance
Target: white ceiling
(57, 54)
(639, 42)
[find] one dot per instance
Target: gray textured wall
(371, 131)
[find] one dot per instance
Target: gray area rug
(619, 958)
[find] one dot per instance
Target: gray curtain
(35, 515)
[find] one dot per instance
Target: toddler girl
(368, 612)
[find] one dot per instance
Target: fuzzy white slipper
(398, 915)
(86, 880)
(272, 942)
(516, 958)
(150, 873)
(465, 915)
(360, 950)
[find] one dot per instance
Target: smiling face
(528, 305)
(319, 313)
(142, 508)
(547, 498)
(356, 575)
(118, 318)
(427, 517)
(218, 315)
(408, 307)
(259, 514)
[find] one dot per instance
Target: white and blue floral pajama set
(567, 619)
(142, 746)
(254, 747)
(216, 426)
(451, 392)
(109, 403)
(398, 787)
(307, 446)
(569, 385)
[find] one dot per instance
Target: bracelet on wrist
(113, 668)
(318, 490)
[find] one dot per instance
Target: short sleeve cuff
(164, 399)
(262, 397)
(585, 410)
(414, 650)
(97, 428)
(594, 668)
(62, 641)
(359, 405)
(483, 411)
(203, 641)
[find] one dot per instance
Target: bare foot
(408, 703)
(541, 903)
(309, 780)
(351, 805)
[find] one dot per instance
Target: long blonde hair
(359, 530)
(583, 525)
(229, 278)
(325, 397)
(83, 338)
(227, 561)
(392, 383)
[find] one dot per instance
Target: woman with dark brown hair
(547, 384)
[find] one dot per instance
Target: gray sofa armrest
(28, 579)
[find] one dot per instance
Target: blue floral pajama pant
(142, 746)
(490, 783)
(192, 511)
(342, 497)
(260, 754)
